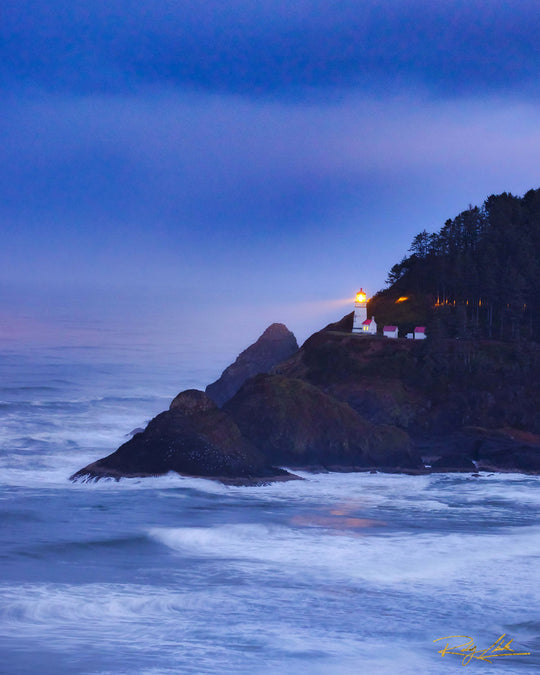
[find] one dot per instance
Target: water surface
(339, 573)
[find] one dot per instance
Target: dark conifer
(480, 273)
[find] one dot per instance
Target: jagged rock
(295, 424)
(191, 402)
(518, 458)
(193, 438)
(453, 463)
(276, 344)
(343, 325)
(506, 450)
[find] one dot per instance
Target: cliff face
(276, 344)
(298, 425)
(422, 386)
(455, 398)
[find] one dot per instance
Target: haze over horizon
(188, 173)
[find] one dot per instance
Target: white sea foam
(53, 472)
(410, 494)
(206, 631)
(381, 559)
(157, 618)
(49, 604)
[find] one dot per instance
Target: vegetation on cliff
(479, 276)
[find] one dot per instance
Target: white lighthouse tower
(361, 324)
(360, 311)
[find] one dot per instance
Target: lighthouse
(360, 311)
(361, 324)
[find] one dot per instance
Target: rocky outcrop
(299, 426)
(193, 438)
(505, 450)
(347, 403)
(276, 344)
(477, 448)
(453, 463)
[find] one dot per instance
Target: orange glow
(360, 296)
(402, 299)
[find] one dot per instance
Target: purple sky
(179, 169)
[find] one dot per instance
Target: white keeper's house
(369, 327)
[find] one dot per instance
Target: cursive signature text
(468, 650)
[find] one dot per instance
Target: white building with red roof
(420, 333)
(369, 327)
(390, 331)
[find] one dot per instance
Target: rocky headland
(345, 402)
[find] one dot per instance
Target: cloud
(184, 162)
(180, 197)
(273, 48)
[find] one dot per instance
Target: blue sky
(179, 169)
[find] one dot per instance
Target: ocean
(335, 574)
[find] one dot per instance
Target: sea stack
(275, 345)
(192, 438)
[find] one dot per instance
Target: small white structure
(420, 333)
(369, 327)
(390, 331)
(360, 311)
(410, 336)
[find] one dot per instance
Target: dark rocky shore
(344, 402)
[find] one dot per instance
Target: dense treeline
(479, 276)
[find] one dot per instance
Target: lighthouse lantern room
(360, 311)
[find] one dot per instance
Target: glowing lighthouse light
(360, 297)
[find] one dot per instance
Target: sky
(179, 174)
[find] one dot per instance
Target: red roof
(420, 329)
(389, 328)
(366, 322)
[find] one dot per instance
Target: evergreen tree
(485, 264)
